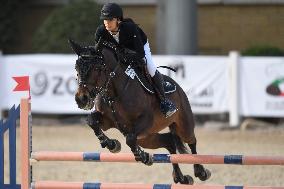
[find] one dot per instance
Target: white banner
(262, 86)
(203, 78)
(52, 78)
(53, 81)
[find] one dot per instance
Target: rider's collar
(114, 33)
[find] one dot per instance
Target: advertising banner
(53, 81)
(203, 78)
(262, 86)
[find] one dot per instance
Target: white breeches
(151, 66)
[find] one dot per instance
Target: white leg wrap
(151, 66)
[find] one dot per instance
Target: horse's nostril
(85, 98)
(77, 98)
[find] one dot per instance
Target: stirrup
(168, 108)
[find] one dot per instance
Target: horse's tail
(181, 148)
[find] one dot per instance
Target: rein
(104, 88)
(103, 91)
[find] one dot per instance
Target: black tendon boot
(167, 107)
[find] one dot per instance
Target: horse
(120, 102)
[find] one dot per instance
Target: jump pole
(82, 185)
(157, 158)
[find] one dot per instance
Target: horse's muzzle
(84, 100)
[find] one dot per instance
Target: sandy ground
(210, 141)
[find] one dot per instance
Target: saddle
(137, 69)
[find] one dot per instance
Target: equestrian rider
(127, 34)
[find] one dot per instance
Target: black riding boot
(167, 107)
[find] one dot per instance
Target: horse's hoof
(176, 180)
(149, 161)
(104, 143)
(205, 176)
(116, 146)
(142, 156)
(187, 180)
(146, 158)
(202, 173)
(183, 179)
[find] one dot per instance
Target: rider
(127, 34)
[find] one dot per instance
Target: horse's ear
(76, 47)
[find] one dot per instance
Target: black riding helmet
(110, 11)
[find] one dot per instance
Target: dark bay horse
(122, 103)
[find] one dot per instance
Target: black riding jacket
(130, 36)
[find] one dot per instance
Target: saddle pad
(135, 72)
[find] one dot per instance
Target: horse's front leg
(140, 155)
(95, 120)
(140, 126)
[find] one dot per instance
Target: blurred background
(212, 26)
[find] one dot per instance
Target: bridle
(85, 64)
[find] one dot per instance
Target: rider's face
(111, 25)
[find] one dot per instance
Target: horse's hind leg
(199, 171)
(166, 140)
(186, 134)
(95, 120)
